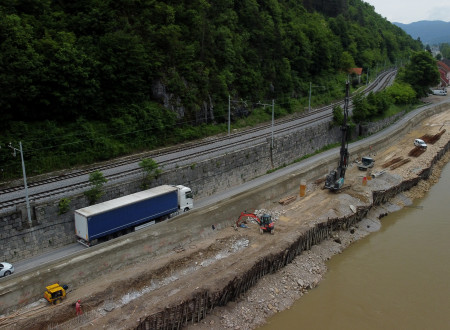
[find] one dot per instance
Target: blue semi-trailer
(122, 215)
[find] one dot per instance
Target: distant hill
(429, 32)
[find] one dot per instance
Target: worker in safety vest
(78, 307)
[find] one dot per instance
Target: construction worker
(78, 307)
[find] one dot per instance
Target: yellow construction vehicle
(55, 293)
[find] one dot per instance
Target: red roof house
(444, 71)
(357, 72)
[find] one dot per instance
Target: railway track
(174, 156)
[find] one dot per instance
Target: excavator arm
(245, 215)
(335, 179)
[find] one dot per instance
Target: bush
(338, 115)
(63, 205)
(151, 171)
(97, 180)
(401, 93)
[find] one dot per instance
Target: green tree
(421, 72)
(401, 93)
(378, 103)
(68, 82)
(20, 67)
(151, 171)
(445, 50)
(338, 115)
(361, 111)
(63, 205)
(97, 180)
(347, 61)
(90, 80)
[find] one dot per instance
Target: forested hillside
(429, 32)
(122, 74)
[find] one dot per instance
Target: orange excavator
(265, 222)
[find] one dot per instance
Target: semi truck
(103, 221)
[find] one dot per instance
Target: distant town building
(444, 71)
(356, 72)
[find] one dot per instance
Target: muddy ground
(121, 299)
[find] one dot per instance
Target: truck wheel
(7, 273)
(272, 232)
(261, 231)
(186, 209)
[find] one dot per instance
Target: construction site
(236, 273)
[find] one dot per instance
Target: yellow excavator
(55, 293)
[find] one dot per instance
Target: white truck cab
(185, 198)
(420, 143)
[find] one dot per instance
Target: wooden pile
(403, 162)
(432, 139)
(391, 162)
(319, 181)
(396, 162)
(416, 152)
(287, 200)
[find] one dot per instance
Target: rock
(108, 307)
(300, 282)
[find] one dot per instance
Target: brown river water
(396, 278)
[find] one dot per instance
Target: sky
(409, 11)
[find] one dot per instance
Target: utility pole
(273, 115)
(310, 88)
(242, 102)
(229, 113)
(309, 102)
(24, 177)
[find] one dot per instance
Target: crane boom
(335, 179)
